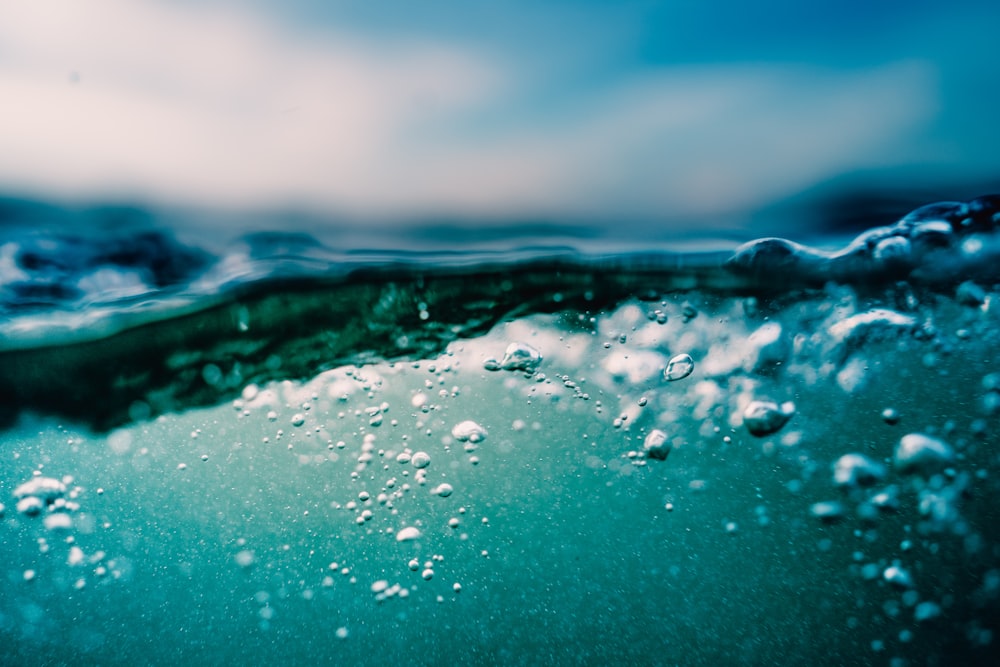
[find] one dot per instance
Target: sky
(655, 113)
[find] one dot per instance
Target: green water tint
(432, 511)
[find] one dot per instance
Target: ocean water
(280, 451)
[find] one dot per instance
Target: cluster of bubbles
(388, 472)
(56, 503)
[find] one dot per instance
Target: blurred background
(624, 122)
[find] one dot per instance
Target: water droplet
(443, 489)
(420, 460)
(678, 368)
(298, 419)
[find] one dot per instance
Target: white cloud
(224, 108)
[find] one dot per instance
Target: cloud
(225, 108)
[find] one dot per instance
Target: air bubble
(678, 368)
(857, 470)
(656, 446)
(408, 534)
(766, 417)
(829, 511)
(898, 577)
(468, 431)
(520, 357)
(917, 452)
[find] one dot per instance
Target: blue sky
(654, 112)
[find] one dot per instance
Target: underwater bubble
(58, 521)
(886, 500)
(443, 489)
(926, 611)
(656, 446)
(427, 574)
(44, 488)
(408, 534)
(828, 511)
(678, 368)
(420, 459)
(857, 470)
(894, 250)
(244, 558)
(298, 419)
(766, 417)
(767, 347)
(970, 294)
(891, 416)
(75, 556)
(520, 357)
(852, 333)
(898, 577)
(468, 431)
(30, 506)
(921, 453)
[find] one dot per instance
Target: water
(279, 452)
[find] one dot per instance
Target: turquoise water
(270, 459)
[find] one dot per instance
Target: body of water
(280, 449)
